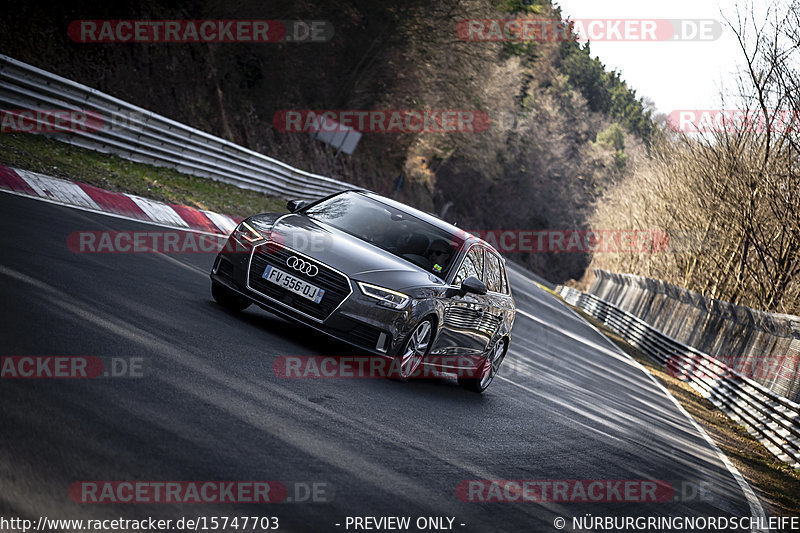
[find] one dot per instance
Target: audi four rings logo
(303, 266)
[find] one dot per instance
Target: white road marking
(756, 510)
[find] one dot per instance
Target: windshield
(418, 242)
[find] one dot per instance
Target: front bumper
(357, 320)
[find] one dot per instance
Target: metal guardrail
(772, 419)
(761, 345)
(140, 135)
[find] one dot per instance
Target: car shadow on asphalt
(316, 343)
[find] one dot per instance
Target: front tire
(488, 370)
(228, 299)
(415, 348)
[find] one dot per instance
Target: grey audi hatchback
(377, 274)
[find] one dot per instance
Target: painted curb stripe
(83, 195)
(195, 218)
(114, 202)
(58, 190)
(159, 212)
(11, 180)
(225, 223)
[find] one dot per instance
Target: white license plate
(293, 284)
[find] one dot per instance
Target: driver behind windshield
(439, 254)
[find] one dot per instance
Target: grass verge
(776, 483)
(54, 158)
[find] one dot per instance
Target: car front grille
(336, 285)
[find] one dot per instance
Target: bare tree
(735, 191)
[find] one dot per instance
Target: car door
(498, 297)
(462, 330)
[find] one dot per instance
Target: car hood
(355, 257)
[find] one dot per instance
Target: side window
(493, 274)
(504, 279)
(472, 266)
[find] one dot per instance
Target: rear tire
(228, 299)
(488, 370)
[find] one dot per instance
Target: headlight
(386, 297)
(246, 234)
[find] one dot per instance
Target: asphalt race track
(567, 406)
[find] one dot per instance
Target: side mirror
(295, 205)
(473, 285)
